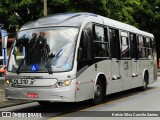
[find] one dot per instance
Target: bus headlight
(8, 82)
(63, 83)
(67, 82)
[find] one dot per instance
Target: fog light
(67, 82)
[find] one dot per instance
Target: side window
(100, 42)
(149, 48)
(85, 50)
(141, 47)
(125, 53)
(114, 43)
(133, 46)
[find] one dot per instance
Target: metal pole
(45, 7)
(4, 37)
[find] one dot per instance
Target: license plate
(21, 82)
(32, 95)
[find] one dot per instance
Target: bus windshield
(37, 50)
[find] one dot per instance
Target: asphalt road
(131, 100)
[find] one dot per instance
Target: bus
(73, 57)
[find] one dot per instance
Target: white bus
(78, 56)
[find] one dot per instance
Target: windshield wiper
(49, 67)
(46, 57)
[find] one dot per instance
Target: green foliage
(144, 14)
(15, 13)
(140, 13)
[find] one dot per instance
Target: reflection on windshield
(43, 46)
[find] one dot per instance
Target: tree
(23, 11)
(147, 16)
(15, 13)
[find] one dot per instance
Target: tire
(145, 83)
(45, 103)
(98, 93)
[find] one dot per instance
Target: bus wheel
(98, 93)
(45, 103)
(145, 83)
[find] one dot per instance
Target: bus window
(114, 43)
(133, 46)
(141, 47)
(125, 45)
(85, 51)
(149, 48)
(100, 43)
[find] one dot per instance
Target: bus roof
(76, 20)
(62, 19)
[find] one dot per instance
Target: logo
(16, 114)
(34, 67)
(6, 114)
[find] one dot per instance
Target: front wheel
(98, 93)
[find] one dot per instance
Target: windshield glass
(38, 50)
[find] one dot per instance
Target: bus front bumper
(63, 94)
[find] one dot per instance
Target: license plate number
(21, 82)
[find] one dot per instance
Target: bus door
(126, 61)
(115, 57)
(134, 56)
